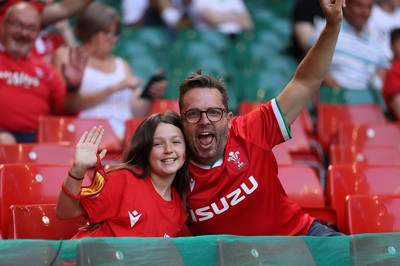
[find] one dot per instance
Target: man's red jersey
(29, 88)
(241, 193)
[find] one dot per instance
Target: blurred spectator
(385, 16)
(153, 12)
(29, 87)
(134, 12)
(228, 16)
(60, 34)
(391, 88)
(52, 12)
(52, 37)
(359, 62)
(108, 89)
(306, 14)
(49, 40)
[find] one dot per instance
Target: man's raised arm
(311, 71)
(62, 9)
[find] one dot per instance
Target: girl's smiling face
(167, 155)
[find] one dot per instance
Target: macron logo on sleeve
(134, 217)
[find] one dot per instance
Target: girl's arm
(68, 205)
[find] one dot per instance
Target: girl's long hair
(136, 155)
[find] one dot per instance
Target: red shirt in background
(391, 85)
(29, 88)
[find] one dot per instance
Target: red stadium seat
(325, 215)
(68, 130)
(373, 214)
(130, 127)
(162, 105)
(247, 106)
(300, 141)
(38, 221)
(36, 153)
(302, 185)
(344, 180)
(305, 149)
(329, 116)
(302, 146)
(365, 155)
(158, 106)
(282, 155)
(304, 121)
(369, 134)
(29, 184)
(304, 117)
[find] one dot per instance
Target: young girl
(140, 197)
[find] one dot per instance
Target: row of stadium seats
(38, 184)
(225, 250)
(301, 180)
(363, 158)
(30, 183)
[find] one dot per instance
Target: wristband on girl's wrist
(69, 193)
(74, 177)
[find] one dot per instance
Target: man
(359, 61)
(56, 14)
(29, 87)
(385, 16)
(234, 183)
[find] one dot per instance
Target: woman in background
(108, 88)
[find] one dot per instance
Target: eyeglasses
(19, 26)
(193, 116)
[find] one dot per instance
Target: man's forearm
(62, 10)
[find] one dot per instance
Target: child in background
(391, 88)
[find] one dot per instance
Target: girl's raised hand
(87, 148)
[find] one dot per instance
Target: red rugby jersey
(241, 193)
(130, 206)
